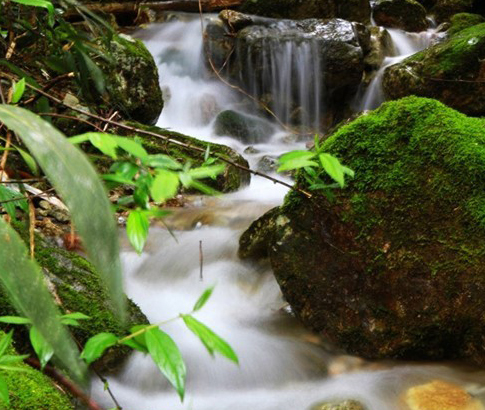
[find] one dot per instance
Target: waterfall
(405, 44)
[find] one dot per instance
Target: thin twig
(49, 85)
(71, 117)
(107, 388)
(32, 228)
(165, 138)
(66, 383)
(201, 261)
(21, 181)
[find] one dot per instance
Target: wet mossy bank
(393, 266)
(76, 287)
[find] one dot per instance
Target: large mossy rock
(79, 289)
(353, 10)
(32, 390)
(393, 265)
(452, 72)
(462, 21)
(408, 15)
(132, 81)
(443, 10)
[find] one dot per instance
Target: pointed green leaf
(137, 229)
(135, 345)
(76, 181)
(76, 315)
(18, 91)
(211, 341)
(203, 299)
(4, 391)
(295, 160)
(40, 3)
(333, 168)
(206, 172)
(29, 160)
(166, 355)
(41, 347)
(96, 346)
(11, 359)
(161, 161)
(5, 343)
(7, 194)
(15, 320)
(131, 146)
(164, 186)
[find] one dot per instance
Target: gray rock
(341, 405)
(244, 127)
(407, 15)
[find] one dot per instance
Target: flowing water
(282, 366)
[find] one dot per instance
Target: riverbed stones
(391, 266)
(452, 72)
(407, 15)
(339, 405)
(244, 127)
(440, 395)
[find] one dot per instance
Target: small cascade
(288, 75)
(405, 44)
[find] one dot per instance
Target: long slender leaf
(209, 339)
(203, 299)
(78, 184)
(40, 3)
(4, 391)
(41, 347)
(166, 355)
(18, 91)
(5, 342)
(333, 167)
(25, 285)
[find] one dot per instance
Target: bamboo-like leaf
(25, 285)
(5, 342)
(166, 355)
(333, 168)
(207, 171)
(203, 299)
(18, 91)
(161, 161)
(137, 229)
(96, 346)
(209, 339)
(41, 347)
(15, 320)
(131, 146)
(76, 181)
(40, 3)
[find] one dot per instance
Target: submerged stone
(452, 72)
(244, 127)
(392, 266)
(341, 405)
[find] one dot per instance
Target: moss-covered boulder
(461, 21)
(353, 10)
(393, 265)
(232, 179)
(407, 15)
(32, 390)
(132, 81)
(79, 289)
(246, 128)
(452, 72)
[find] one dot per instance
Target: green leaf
(70, 322)
(135, 345)
(137, 229)
(4, 391)
(11, 359)
(348, 171)
(206, 172)
(333, 168)
(6, 194)
(78, 139)
(94, 71)
(161, 161)
(75, 315)
(40, 3)
(76, 181)
(15, 320)
(96, 346)
(295, 160)
(125, 169)
(18, 91)
(29, 160)
(166, 355)
(104, 142)
(211, 341)
(5, 343)
(131, 146)
(203, 299)
(41, 347)
(119, 179)
(164, 185)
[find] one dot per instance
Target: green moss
(462, 21)
(32, 390)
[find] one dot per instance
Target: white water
(405, 44)
(282, 366)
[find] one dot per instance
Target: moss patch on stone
(462, 21)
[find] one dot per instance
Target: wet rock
(132, 81)
(443, 10)
(391, 266)
(407, 15)
(246, 128)
(353, 10)
(219, 43)
(267, 164)
(381, 46)
(341, 405)
(452, 72)
(207, 106)
(234, 20)
(440, 395)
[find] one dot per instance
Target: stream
(282, 365)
